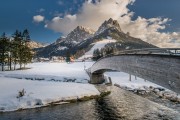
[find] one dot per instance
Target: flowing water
(119, 105)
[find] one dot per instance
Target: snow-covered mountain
(108, 24)
(64, 44)
(79, 34)
(97, 45)
(82, 39)
(33, 44)
(110, 30)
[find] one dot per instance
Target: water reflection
(105, 110)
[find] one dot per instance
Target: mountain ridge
(81, 38)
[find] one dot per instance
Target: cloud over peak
(92, 15)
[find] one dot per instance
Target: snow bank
(137, 85)
(39, 93)
(123, 79)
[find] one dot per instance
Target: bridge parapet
(162, 51)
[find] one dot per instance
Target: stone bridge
(162, 69)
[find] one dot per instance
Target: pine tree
(16, 47)
(20, 50)
(68, 56)
(9, 49)
(3, 50)
(109, 50)
(26, 36)
(15, 51)
(27, 52)
(96, 54)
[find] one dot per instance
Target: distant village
(52, 59)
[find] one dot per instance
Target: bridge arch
(161, 69)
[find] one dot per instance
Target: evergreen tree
(26, 36)
(103, 52)
(109, 50)
(15, 51)
(20, 50)
(28, 55)
(16, 47)
(27, 52)
(10, 48)
(96, 54)
(68, 59)
(3, 50)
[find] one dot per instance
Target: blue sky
(159, 8)
(18, 14)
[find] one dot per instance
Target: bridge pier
(96, 78)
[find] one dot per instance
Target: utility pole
(84, 61)
(9, 55)
(129, 77)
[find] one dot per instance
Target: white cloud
(41, 10)
(92, 15)
(66, 24)
(60, 2)
(38, 18)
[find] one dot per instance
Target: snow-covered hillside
(97, 45)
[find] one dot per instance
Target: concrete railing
(161, 69)
(166, 51)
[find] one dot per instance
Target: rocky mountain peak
(33, 44)
(109, 24)
(60, 39)
(84, 29)
(79, 34)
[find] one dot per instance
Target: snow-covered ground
(133, 83)
(40, 88)
(61, 72)
(39, 93)
(97, 45)
(125, 80)
(45, 83)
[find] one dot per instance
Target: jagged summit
(79, 34)
(109, 24)
(82, 28)
(63, 44)
(60, 39)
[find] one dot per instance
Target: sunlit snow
(98, 45)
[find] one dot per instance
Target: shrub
(21, 93)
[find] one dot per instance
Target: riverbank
(45, 84)
(133, 107)
(39, 93)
